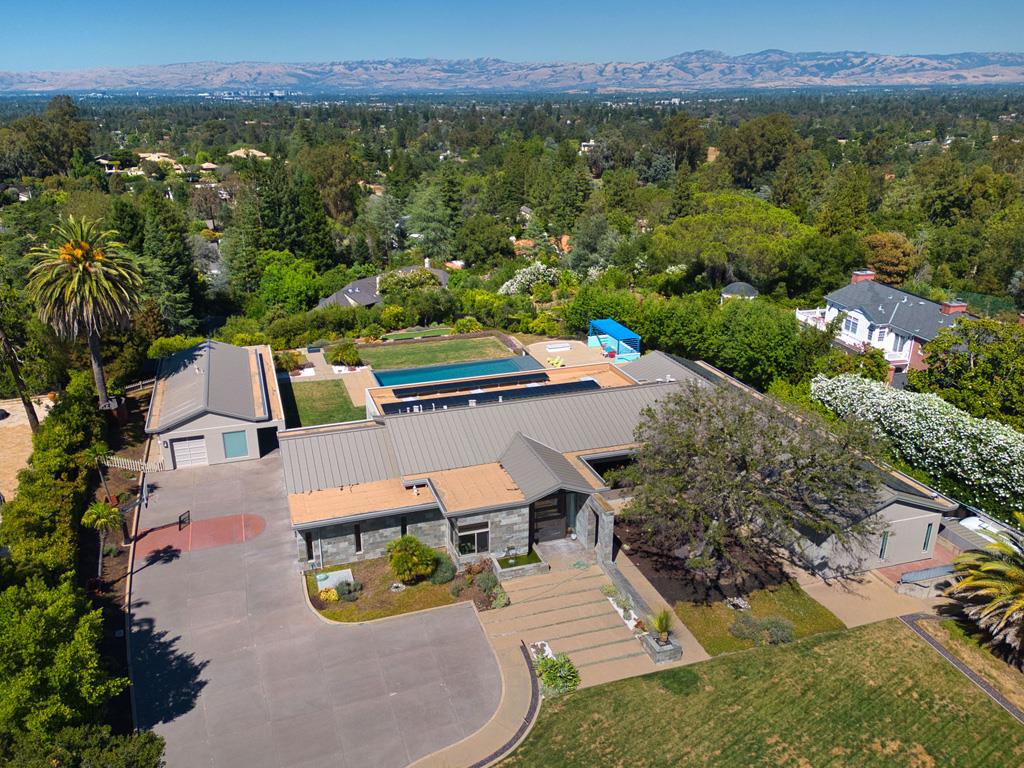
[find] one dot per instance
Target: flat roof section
(481, 487)
(358, 499)
(604, 374)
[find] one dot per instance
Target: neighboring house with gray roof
(365, 292)
(500, 476)
(877, 315)
(215, 403)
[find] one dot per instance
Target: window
(359, 538)
(235, 446)
(899, 343)
(881, 335)
(927, 537)
(309, 545)
(850, 324)
(473, 538)
(885, 543)
(405, 525)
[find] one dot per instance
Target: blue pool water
(398, 376)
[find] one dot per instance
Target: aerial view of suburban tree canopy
(847, 266)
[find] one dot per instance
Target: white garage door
(189, 452)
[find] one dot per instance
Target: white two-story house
(877, 315)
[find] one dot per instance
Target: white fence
(144, 384)
(133, 465)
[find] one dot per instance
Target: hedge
(979, 460)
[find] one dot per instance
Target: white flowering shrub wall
(524, 279)
(979, 460)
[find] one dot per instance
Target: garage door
(189, 452)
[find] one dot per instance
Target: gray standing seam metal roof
(407, 444)
(539, 470)
(658, 366)
(884, 305)
(211, 377)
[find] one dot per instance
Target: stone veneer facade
(336, 544)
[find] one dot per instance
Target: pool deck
(578, 353)
(425, 374)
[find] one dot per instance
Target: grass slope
(318, 402)
(710, 623)
(869, 697)
(431, 352)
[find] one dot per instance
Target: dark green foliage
(89, 746)
(558, 674)
(343, 354)
(444, 570)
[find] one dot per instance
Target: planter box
(659, 653)
(504, 574)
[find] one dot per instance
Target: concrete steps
(584, 641)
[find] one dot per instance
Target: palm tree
(84, 284)
(104, 519)
(990, 586)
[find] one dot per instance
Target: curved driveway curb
(911, 620)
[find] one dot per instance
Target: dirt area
(16, 442)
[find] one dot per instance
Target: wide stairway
(565, 608)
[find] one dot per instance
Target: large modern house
(365, 292)
(877, 315)
(492, 465)
(215, 403)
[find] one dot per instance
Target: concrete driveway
(233, 669)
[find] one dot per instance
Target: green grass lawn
(425, 333)
(964, 642)
(869, 697)
(318, 402)
(710, 623)
(430, 352)
(376, 600)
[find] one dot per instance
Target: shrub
(343, 354)
(410, 558)
(771, 630)
(168, 345)
(372, 332)
(524, 279)
(557, 675)
(392, 317)
(661, 623)
(287, 361)
(329, 595)
(444, 570)
(980, 460)
(467, 325)
(350, 597)
(499, 597)
(486, 582)
(456, 588)
(609, 590)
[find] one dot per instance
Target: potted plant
(661, 624)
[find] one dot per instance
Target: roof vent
(472, 403)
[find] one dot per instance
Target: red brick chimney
(953, 307)
(862, 276)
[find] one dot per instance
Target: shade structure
(614, 339)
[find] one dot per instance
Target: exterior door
(548, 518)
(189, 452)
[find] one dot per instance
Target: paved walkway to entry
(232, 668)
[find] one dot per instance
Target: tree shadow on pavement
(167, 681)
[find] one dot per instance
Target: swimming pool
(464, 370)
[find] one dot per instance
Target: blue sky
(76, 34)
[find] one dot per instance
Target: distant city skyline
(70, 34)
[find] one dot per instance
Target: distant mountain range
(694, 71)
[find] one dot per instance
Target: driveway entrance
(232, 668)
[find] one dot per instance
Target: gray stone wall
(508, 528)
(337, 543)
(596, 510)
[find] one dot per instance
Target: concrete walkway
(864, 599)
(233, 669)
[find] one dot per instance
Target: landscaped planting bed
(869, 697)
(412, 354)
(710, 623)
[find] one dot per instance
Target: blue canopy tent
(615, 339)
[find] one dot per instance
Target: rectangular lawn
(431, 352)
(318, 402)
(868, 697)
(710, 623)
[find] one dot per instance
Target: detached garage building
(215, 403)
